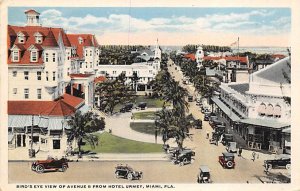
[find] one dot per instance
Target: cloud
(231, 22)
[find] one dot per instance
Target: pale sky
(172, 26)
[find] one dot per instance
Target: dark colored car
(204, 175)
(126, 108)
(206, 117)
(227, 138)
(197, 124)
(125, 171)
(214, 122)
(279, 162)
(141, 106)
(190, 98)
(183, 157)
(40, 166)
(227, 160)
(220, 129)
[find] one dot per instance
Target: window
(150, 71)
(80, 64)
(26, 73)
(53, 76)
(21, 38)
(47, 76)
(38, 39)
(33, 56)
(85, 64)
(53, 57)
(46, 57)
(80, 40)
(15, 73)
(91, 53)
(39, 75)
(90, 64)
(39, 93)
(15, 91)
(56, 144)
(26, 93)
(15, 56)
(114, 72)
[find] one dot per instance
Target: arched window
(277, 111)
(262, 109)
(270, 110)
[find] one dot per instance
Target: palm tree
(82, 127)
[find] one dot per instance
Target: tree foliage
(82, 127)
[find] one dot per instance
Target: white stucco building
(259, 109)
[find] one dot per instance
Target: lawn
(151, 103)
(144, 115)
(148, 128)
(109, 143)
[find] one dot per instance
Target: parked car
(227, 160)
(125, 171)
(231, 147)
(280, 161)
(214, 122)
(220, 129)
(198, 124)
(127, 107)
(141, 106)
(190, 98)
(206, 117)
(204, 175)
(183, 157)
(227, 138)
(49, 164)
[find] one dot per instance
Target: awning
(51, 123)
(277, 110)
(261, 108)
(264, 123)
(287, 143)
(10, 137)
(287, 130)
(269, 110)
(84, 109)
(225, 109)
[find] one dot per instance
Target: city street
(155, 171)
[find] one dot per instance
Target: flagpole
(238, 46)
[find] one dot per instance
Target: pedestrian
(253, 156)
(207, 134)
(240, 151)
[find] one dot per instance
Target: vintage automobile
(141, 106)
(126, 108)
(214, 122)
(49, 164)
(280, 161)
(227, 138)
(204, 175)
(183, 157)
(231, 147)
(190, 98)
(197, 124)
(220, 129)
(227, 160)
(125, 171)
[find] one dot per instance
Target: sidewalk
(21, 154)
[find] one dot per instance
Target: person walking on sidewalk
(207, 134)
(253, 156)
(240, 152)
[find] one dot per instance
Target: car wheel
(288, 166)
(141, 176)
(269, 167)
(185, 161)
(129, 176)
(181, 163)
(64, 168)
(39, 168)
(117, 174)
(33, 167)
(229, 164)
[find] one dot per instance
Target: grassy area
(148, 128)
(144, 115)
(154, 103)
(109, 143)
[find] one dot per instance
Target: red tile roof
(72, 100)
(80, 75)
(88, 40)
(31, 11)
(190, 56)
(280, 56)
(64, 106)
(50, 38)
(227, 58)
(100, 79)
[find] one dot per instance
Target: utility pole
(31, 151)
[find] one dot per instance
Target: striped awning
(261, 109)
(51, 123)
(269, 110)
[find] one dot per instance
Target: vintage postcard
(149, 95)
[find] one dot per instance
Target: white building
(259, 109)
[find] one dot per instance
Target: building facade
(259, 110)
